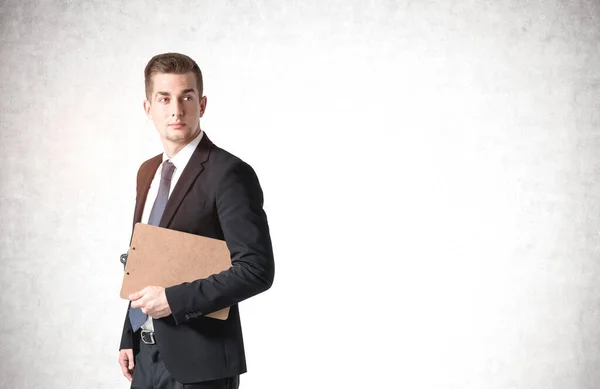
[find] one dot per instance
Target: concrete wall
(430, 169)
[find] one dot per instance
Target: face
(175, 107)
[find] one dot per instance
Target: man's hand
(126, 362)
(152, 300)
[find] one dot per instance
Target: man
(199, 188)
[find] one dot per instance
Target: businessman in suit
(199, 188)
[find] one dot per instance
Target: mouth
(177, 125)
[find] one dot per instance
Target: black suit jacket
(217, 196)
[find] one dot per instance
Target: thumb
(130, 357)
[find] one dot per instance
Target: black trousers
(150, 373)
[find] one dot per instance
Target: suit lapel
(146, 178)
(192, 170)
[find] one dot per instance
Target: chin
(179, 137)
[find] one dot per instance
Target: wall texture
(431, 176)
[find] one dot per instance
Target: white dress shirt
(180, 160)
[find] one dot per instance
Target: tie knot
(167, 170)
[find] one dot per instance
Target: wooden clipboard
(163, 257)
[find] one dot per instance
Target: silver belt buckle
(148, 337)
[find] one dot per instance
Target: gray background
(430, 173)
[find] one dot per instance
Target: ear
(203, 101)
(147, 109)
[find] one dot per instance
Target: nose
(177, 109)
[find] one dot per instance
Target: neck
(172, 148)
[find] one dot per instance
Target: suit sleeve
(126, 338)
(239, 202)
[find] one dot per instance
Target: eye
(163, 100)
(188, 98)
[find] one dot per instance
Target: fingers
(130, 358)
(138, 294)
(143, 304)
(137, 304)
(126, 373)
(145, 298)
(136, 298)
(126, 363)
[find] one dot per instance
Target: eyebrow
(190, 90)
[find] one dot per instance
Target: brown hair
(171, 63)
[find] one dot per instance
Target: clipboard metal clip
(123, 259)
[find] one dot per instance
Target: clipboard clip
(123, 259)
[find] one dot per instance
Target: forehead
(173, 83)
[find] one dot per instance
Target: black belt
(147, 337)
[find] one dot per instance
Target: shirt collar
(181, 159)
